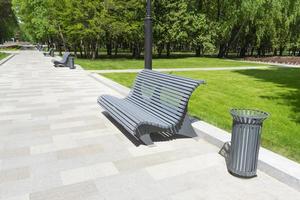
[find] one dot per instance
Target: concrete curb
(275, 165)
(111, 84)
(6, 59)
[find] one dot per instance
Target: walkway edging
(124, 91)
(273, 164)
(4, 60)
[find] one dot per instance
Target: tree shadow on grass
(285, 78)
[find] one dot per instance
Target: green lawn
(3, 55)
(190, 62)
(275, 90)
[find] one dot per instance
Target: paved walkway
(56, 145)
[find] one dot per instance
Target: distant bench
(156, 104)
(66, 61)
(49, 53)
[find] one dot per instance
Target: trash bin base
(242, 174)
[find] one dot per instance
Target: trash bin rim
(255, 113)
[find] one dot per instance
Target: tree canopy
(243, 27)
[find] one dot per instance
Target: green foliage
(203, 26)
(8, 21)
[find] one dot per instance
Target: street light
(148, 37)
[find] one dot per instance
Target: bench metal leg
(186, 128)
(146, 139)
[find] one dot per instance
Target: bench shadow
(136, 141)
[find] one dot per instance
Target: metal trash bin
(245, 141)
(71, 63)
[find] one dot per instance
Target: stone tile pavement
(55, 144)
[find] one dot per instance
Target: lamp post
(148, 37)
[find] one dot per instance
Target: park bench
(157, 103)
(39, 47)
(49, 53)
(65, 61)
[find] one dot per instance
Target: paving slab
(55, 143)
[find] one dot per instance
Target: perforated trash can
(245, 141)
(71, 63)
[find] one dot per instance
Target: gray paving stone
(78, 191)
(14, 174)
(79, 151)
(17, 152)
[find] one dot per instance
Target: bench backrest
(65, 57)
(164, 96)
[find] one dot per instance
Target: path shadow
(136, 141)
(285, 78)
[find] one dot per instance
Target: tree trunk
(222, 51)
(275, 52)
(281, 49)
(135, 50)
(160, 49)
(198, 51)
(243, 51)
(80, 51)
(62, 37)
(168, 49)
(259, 52)
(75, 50)
(263, 52)
(95, 47)
(116, 48)
(85, 51)
(109, 47)
(59, 48)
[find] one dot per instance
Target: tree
(8, 20)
